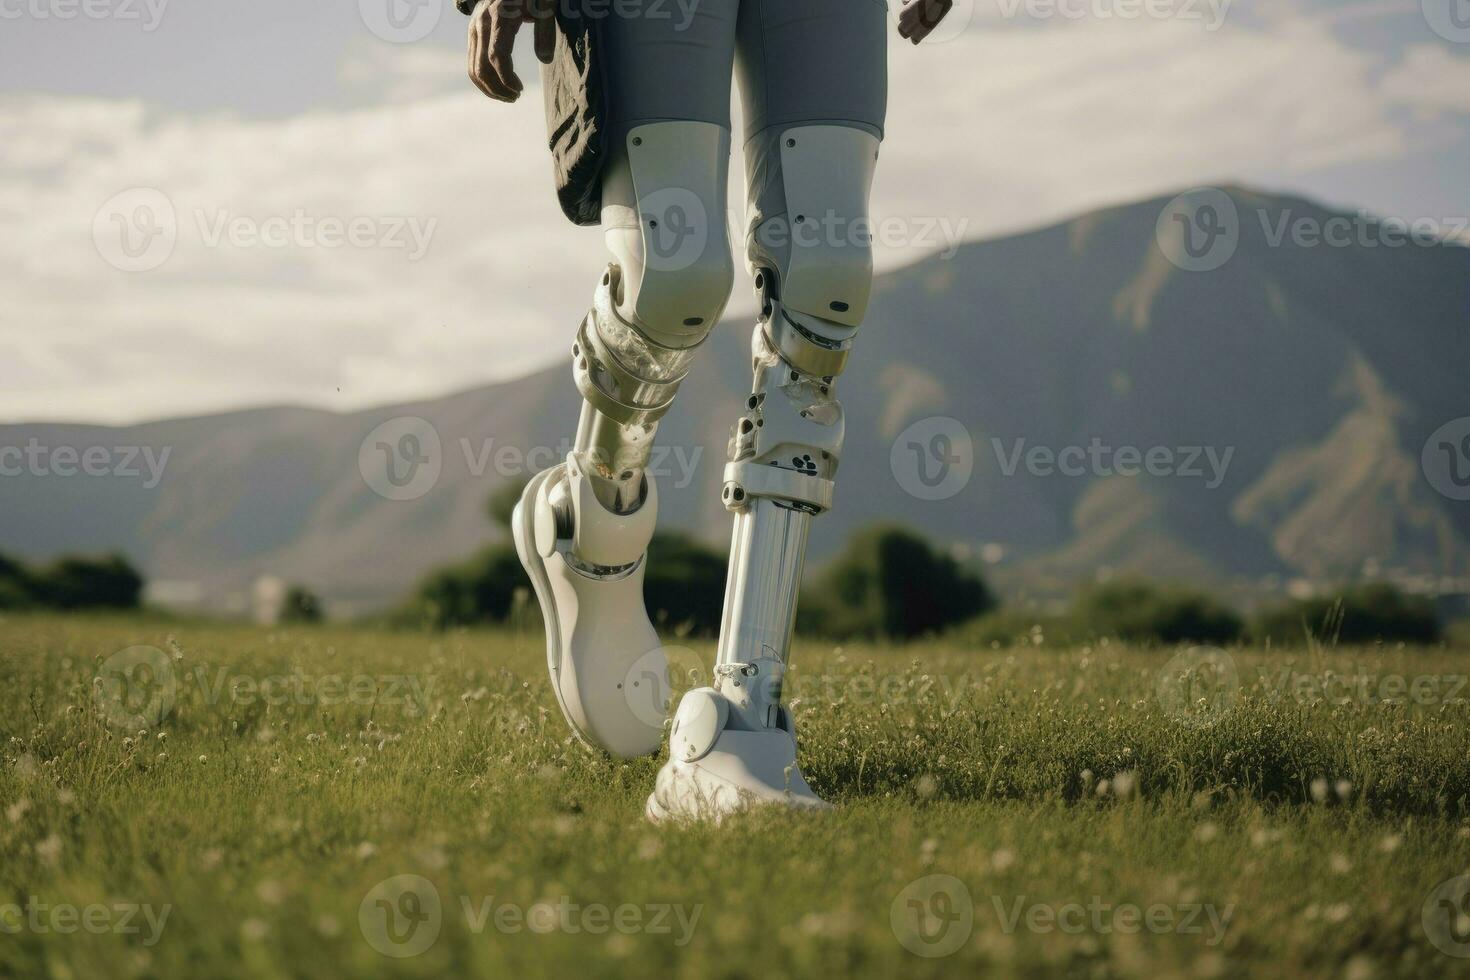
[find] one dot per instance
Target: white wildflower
(49, 850)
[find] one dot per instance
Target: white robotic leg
(733, 745)
(582, 528)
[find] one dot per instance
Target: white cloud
(1085, 114)
(996, 130)
(1430, 81)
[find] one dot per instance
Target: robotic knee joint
(820, 250)
(787, 443)
(664, 291)
(669, 236)
(628, 381)
(814, 295)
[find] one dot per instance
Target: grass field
(317, 802)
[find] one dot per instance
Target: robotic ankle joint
(629, 379)
(787, 444)
(810, 344)
(619, 369)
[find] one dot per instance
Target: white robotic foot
(715, 770)
(587, 565)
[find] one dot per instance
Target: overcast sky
(321, 210)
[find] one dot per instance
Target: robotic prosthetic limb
(733, 745)
(582, 528)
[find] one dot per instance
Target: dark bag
(576, 113)
(576, 108)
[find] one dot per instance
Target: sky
(208, 205)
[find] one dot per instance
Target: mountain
(1279, 404)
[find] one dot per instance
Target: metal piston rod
(783, 457)
(767, 554)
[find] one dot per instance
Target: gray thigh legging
(799, 62)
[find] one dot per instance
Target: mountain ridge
(1322, 369)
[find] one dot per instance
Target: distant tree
(502, 501)
(891, 583)
(301, 606)
(1142, 612)
(1359, 614)
(17, 591)
(89, 583)
(684, 585)
(479, 590)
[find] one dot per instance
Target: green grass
(263, 827)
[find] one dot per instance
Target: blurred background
(1173, 314)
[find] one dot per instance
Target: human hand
(920, 17)
(494, 25)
